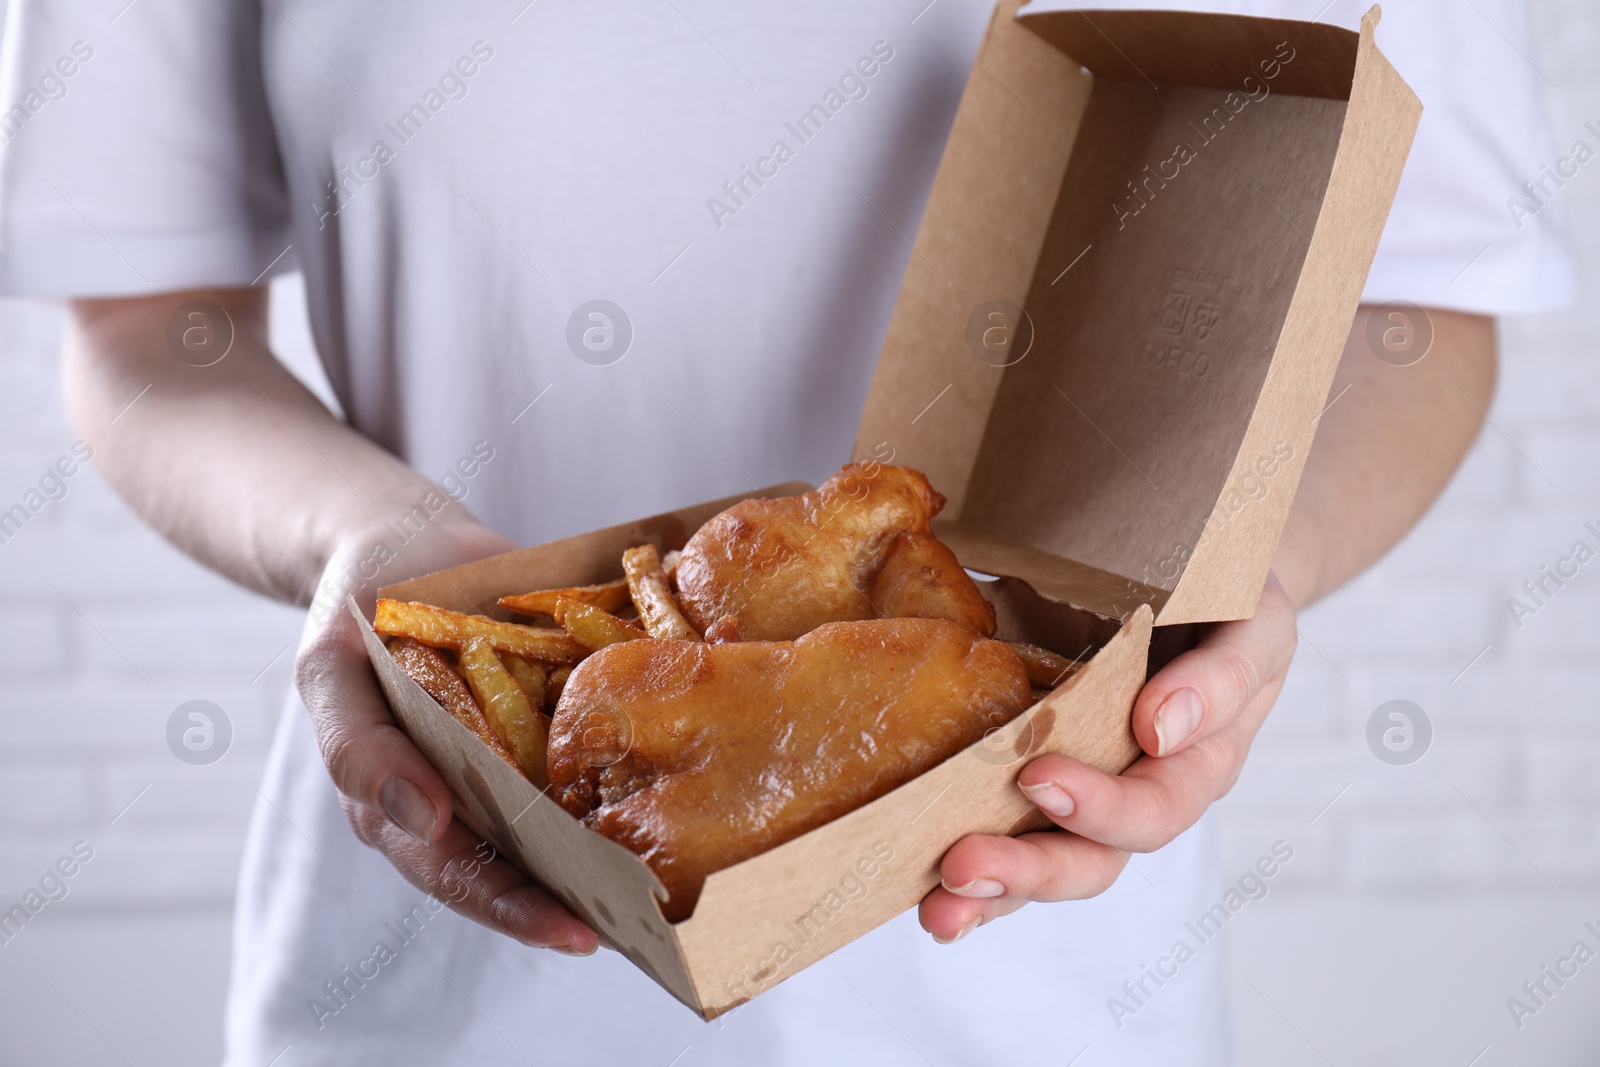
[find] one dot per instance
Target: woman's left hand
(1195, 720)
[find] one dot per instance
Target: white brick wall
(90, 674)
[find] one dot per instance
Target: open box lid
(1133, 280)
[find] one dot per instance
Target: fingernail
(1176, 719)
(978, 887)
(568, 950)
(963, 932)
(408, 808)
(1050, 798)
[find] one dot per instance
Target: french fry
(669, 563)
(607, 596)
(524, 731)
(1046, 670)
(529, 676)
(652, 595)
(558, 682)
(451, 629)
(431, 669)
(593, 627)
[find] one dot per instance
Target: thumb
(1205, 689)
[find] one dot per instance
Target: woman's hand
(1195, 721)
(395, 801)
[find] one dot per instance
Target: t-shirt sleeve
(137, 151)
(1477, 224)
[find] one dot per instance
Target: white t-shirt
(455, 183)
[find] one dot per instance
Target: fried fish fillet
(697, 756)
(858, 547)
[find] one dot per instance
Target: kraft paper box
(1139, 260)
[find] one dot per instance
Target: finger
(463, 872)
(1205, 689)
(983, 877)
(949, 917)
(369, 758)
(1048, 866)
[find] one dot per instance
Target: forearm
(1384, 450)
(236, 463)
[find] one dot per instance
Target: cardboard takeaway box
(1186, 207)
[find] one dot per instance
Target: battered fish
(697, 756)
(859, 547)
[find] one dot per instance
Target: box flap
(1133, 290)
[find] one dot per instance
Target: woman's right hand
(395, 801)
